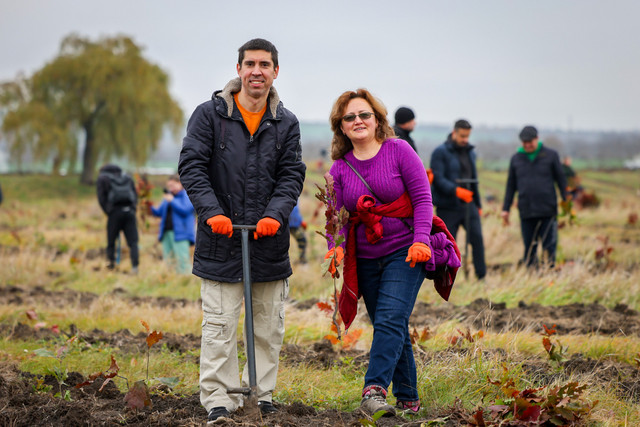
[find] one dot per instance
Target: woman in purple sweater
(389, 232)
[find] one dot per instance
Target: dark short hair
(462, 124)
(258, 44)
(175, 177)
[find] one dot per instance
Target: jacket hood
(111, 168)
(234, 86)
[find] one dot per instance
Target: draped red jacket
(368, 214)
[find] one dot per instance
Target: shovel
(250, 392)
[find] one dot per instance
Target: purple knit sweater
(395, 169)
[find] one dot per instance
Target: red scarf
(370, 215)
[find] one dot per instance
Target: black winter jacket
(534, 182)
(227, 171)
(445, 166)
(103, 185)
(404, 134)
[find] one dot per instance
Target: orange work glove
(220, 224)
(267, 226)
(464, 194)
(430, 176)
(335, 263)
(480, 212)
(418, 252)
(304, 225)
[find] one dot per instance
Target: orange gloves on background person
(267, 226)
(464, 194)
(304, 225)
(220, 224)
(335, 263)
(418, 252)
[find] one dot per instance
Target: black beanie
(404, 115)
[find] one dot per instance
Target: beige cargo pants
(221, 305)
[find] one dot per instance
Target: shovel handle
(244, 227)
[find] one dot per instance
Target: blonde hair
(340, 144)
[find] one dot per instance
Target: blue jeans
(389, 287)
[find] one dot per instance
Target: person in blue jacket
(177, 227)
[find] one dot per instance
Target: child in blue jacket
(177, 227)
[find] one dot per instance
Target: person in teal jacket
(177, 227)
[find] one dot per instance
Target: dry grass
(52, 233)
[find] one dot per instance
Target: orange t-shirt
(252, 120)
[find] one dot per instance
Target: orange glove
(220, 224)
(464, 194)
(430, 176)
(335, 262)
(267, 226)
(304, 225)
(480, 212)
(418, 252)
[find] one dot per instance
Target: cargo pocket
(214, 331)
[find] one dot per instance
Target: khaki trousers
(221, 305)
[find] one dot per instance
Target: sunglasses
(363, 116)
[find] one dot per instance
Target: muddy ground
(575, 318)
(26, 400)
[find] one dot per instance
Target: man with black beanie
(405, 123)
(455, 190)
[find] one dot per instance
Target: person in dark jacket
(177, 226)
(121, 213)
(241, 163)
(533, 171)
(455, 190)
(405, 124)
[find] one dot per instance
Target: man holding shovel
(455, 191)
(241, 163)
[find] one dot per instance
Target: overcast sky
(567, 64)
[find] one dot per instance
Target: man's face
(257, 73)
(409, 126)
(530, 146)
(461, 137)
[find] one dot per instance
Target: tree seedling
(335, 221)
(59, 371)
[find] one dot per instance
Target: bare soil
(27, 400)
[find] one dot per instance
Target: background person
(177, 226)
(241, 162)
(405, 124)
(453, 160)
(533, 171)
(298, 225)
(118, 199)
(390, 249)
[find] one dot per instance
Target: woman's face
(359, 130)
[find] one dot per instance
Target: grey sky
(552, 63)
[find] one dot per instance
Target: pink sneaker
(411, 407)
